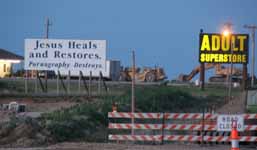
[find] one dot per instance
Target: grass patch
(88, 121)
(252, 109)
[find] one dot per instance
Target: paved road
(102, 146)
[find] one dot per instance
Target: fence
(187, 127)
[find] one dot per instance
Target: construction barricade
(167, 127)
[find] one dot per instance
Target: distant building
(7, 59)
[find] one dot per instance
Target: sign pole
(26, 81)
(90, 84)
(230, 74)
(57, 83)
(133, 92)
(79, 82)
(244, 85)
(35, 81)
(99, 84)
(202, 69)
(252, 28)
(47, 34)
(69, 82)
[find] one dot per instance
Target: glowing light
(226, 33)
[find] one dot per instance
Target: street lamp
(227, 32)
(252, 28)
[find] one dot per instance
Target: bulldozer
(221, 73)
(145, 74)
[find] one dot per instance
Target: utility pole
(228, 27)
(252, 28)
(133, 92)
(202, 70)
(47, 35)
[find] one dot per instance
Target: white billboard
(65, 55)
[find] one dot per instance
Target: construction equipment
(221, 73)
(144, 75)
(14, 107)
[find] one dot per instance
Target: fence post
(203, 125)
(35, 83)
(26, 82)
(163, 126)
(79, 85)
(99, 83)
(57, 84)
(90, 84)
(69, 74)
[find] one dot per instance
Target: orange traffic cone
(234, 138)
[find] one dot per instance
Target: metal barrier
(169, 124)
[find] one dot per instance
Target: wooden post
(62, 82)
(202, 76)
(245, 78)
(79, 86)
(84, 82)
(90, 84)
(203, 126)
(46, 78)
(103, 81)
(69, 82)
(133, 92)
(46, 36)
(57, 84)
(26, 82)
(36, 87)
(41, 83)
(202, 69)
(163, 125)
(99, 83)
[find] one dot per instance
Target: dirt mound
(23, 132)
(235, 105)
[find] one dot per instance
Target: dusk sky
(162, 32)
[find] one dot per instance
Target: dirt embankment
(21, 131)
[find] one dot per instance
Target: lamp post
(133, 92)
(227, 32)
(252, 28)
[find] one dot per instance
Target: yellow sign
(217, 48)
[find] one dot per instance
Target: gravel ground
(108, 146)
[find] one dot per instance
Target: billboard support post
(69, 82)
(84, 82)
(79, 84)
(99, 84)
(133, 92)
(40, 82)
(202, 70)
(63, 85)
(90, 84)
(103, 82)
(36, 86)
(47, 35)
(57, 84)
(26, 82)
(244, 85)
